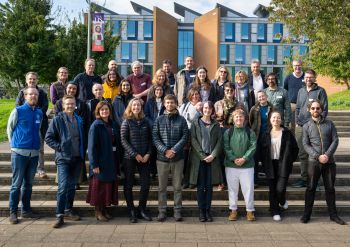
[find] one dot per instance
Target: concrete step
(341, 129)
(340, 118)
(341, 123)
(338, 113)
(344, 134)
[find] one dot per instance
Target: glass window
(262, 31)
(229, 31)
(132, 30)
(287, 54)
(240, 54)
(271, 54)
(245, 31)
(126, 52)
(303, 49)
(148, 30)
(256, 52)
(185, 46)
(116, 28)
(142, 51)
(223, 54)
(277, 32)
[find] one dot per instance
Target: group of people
(201, 132)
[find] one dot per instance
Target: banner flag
(98, 31)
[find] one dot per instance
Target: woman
(111, 84)
(222, 76)
(244, 93)
(121, 101)
(103, 149)
(278, 150)
(206, 143)
(136, 138)
(203, 85)
(159, 79)
(57, 89)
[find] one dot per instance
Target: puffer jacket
(320, 138)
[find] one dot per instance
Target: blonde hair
(238, 112)
(244, 74)
(228, 74)
(128, 114)
(155, 78)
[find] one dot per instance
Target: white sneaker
(276, 217)
(285, 206)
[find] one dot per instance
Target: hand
(169, 153)
(96, 170)
(240, 161)
(138, 158)
(323, 159)
(145, 158)
(209, 158)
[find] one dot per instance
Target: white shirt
(276, 146)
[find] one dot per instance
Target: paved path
(190, 233)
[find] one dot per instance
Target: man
(170, 134)
(278, 97)
(167, 66)
(183, 79)
(112, 65)
(23, 131)
(320, 140)
(86, 79)
(140, 82)
(306, 94)
(292, 83)
(257, 78)
(65, 136)
(43, 104)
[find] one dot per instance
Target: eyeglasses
(223, 71)
(315, 108)
(228, 90)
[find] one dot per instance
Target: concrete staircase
(44, 190)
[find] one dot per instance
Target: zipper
(319, 131)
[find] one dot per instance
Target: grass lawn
(339, 101)
(6, 106)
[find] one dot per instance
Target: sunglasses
(315, 108)
(223, 71)
(228, 90)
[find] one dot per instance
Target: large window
(271, 54)
(303, 49)
(256, 52)
(245, 31)
(142, 51)
(287, 54)
(116, 28)
(277, 32)
(185, 46)
(262, 32)
(223, 54)
(148, 30)
(126, 52)
(240, 54)
(229, 31)
(132, 30)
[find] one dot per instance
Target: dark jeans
(204, 186)
(23, 172)
(315, 170)
(68, 176)
(277, 190)
(144, 171)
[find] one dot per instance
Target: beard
(315, 114)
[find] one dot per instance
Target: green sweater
(239, 146)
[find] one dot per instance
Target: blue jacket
(151, 111)
(26, 132)
(100, 151)
(59, 138)
(120, 102)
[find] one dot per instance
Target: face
(112, 76)
(223, 73)
(207, 110)
(202, 74)
(170, 105)
(71, 90)
(275, 119)
(104, 112)
(189, 63)
(31, 80)
(137, 69)
(309, 79)
(229, 92)
(69, 106)
(125, 87)
(90, 67)
(241, 78)
(297, 67)
(161, 77)
(31, 96)
(238, 119)
(315, 110)
(97, 90)
(158, 92)
(262, 98)
(112, 65)
(271, 81)
(255, 68)
(167, 68)
(136, 107)
(195, 97)
(62, 75)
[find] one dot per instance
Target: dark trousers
(222, 161)
(204, 186)
(277, 190)
(315, 170)
(144, 171)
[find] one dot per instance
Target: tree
(327, 25)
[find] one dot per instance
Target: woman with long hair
(111, 84)
(203, 85)
(121, 101)
(222, 76)
(159, 79)
(244, 92)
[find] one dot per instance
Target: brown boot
(99, 215)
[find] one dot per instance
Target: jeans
(303, 156)
(68, 175)
(41, 155)
(204, 186)
(144, 171)
(23, 172)
(315, 171)
(277, 190)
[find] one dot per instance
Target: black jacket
(151, 111)
(250, 79)
(85, 83)
(120, 102)
(288, 154)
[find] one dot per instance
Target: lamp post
(88, 53)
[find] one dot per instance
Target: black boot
(133, 218)
(209, 216)
(337, 220)
(305, 219)
(202, 217)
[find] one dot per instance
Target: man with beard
(320, 140)
(167, 66)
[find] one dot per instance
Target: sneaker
(177, 216)
(71, 216)
(285, 205)
(161, 217)
(43, 175)
(299, 184)
(250, 216)
(58, 223)
(13, 218)
(233, 215)
(276, 217)
(30, 215)
(221, 187)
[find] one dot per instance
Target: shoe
(276, 217)
(185, 186)
(221, 187)
(250, 216)
(106, 214)
(133, 218)
(177, 216)
(299, 184)
(305, 219)
(13, 218)
(30, 215)
(285, 205)
(209, 216)
(192, 186)
(233, 215)
(43, 175)
(161, 217)
(338, 220)
(58, 223)
(71, 216)
(144, 216)
(202, 215)
(256, 186)
(99, 216)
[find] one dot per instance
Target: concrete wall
(206, 41)
(164, 39)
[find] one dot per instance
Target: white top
(189, 112)
(257, 85)
(276, 146)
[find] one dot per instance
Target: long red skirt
(102, 193)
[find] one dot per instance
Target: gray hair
(136, 63)
(255, 61)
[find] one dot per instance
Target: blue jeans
(68, 176)
(23, 172)
(204, 186)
